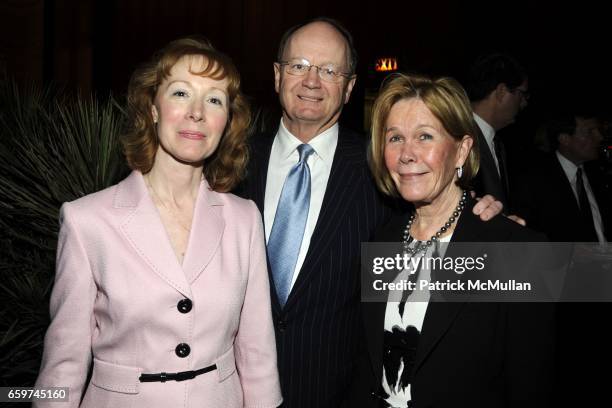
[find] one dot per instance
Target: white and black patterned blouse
(404, 318)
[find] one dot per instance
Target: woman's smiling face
(419, 153)
(191, 112)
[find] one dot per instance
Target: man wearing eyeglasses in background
(311, 182)
(498, 88)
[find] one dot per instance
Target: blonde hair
(446, 100)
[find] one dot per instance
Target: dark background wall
(93, 45)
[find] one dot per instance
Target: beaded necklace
(422, 247)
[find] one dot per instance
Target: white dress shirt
(414, 315)
(570, 169)
(283, 157)
(489, 133)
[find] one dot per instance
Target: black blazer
(470, 354)
(488, 181)
(318, 330)
(545, 199)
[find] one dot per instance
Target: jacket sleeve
(67, 347)
(255, 346)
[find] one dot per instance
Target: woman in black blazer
(431, 353)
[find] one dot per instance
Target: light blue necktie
(289, 224)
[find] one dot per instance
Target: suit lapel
(374, 312)
(440, 315)
(565, 187)
(602, 195)
(206, 232)
(491, 181)
(438, 319)
(145, 232)
(347, 167)
(261, 147)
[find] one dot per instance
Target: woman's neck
(430, 217)
(174, 183)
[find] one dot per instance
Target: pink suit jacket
(115, 299)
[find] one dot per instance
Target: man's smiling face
(309, 102)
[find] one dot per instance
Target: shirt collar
(324, 144)
(568, 166)
(487, 130)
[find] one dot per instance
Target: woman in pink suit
(161, 280)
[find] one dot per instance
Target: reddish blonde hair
(226, 166)
(446, 100)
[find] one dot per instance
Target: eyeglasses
(524, 93)
(300, 67)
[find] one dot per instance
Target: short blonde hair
(226, 167)
(446, 100)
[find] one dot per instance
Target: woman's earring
(459, 171)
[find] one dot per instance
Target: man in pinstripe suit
(318, 328)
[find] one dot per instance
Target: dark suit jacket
(318, 330)
(469, 354)
(545, 199)
(487, 181)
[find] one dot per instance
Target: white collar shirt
(489, 133)
(283, 157)
(570, 169)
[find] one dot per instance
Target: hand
(518, 220)
(487, 207)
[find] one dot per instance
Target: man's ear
(277, 76)
(349, 88)
(500, 91)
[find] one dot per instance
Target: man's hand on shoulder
(488, 207)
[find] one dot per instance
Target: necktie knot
(304, 150)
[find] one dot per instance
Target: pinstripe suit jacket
(318, 330)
